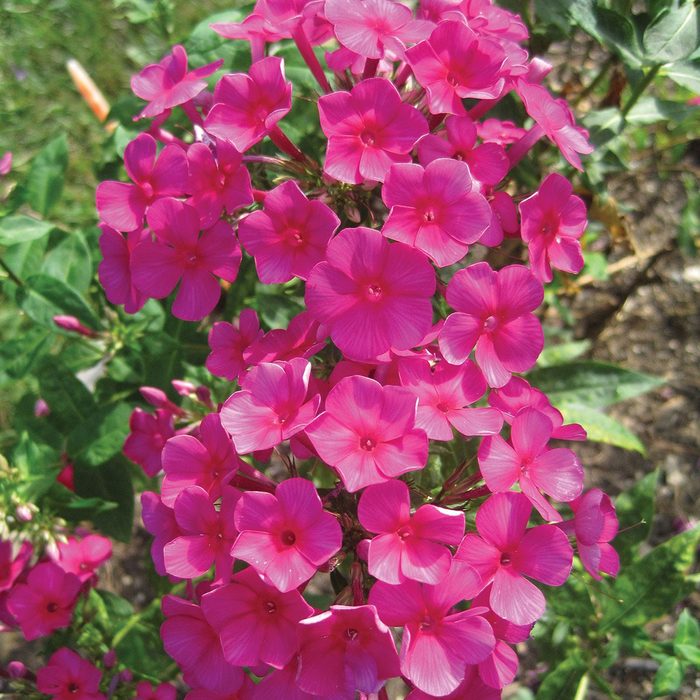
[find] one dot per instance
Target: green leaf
(673, 34)
(17, 355)
(686, 74)
(554, 355)
(21, 229)
(651, 586)
(668, 678)
(44, 297)
(204, 45)
(37, 465)
(563, 681)
(101, 437)
(600, 427)
(591, 383)
(650, 110)
(71, 262)
(635, 512)
(45, 180)
(617, 32)
(687, 630)
(688, 652)
(595, 265)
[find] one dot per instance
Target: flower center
(442, 406)
(52, 607)
(270, 607)
(458, 156)
(367, 444)
(452, 79)
(367, 137)
(491, 323)
(73, 687)
(289, 538)
(351, 633)
(404, 532)
(294, 237)
(505, 559)
(427, 624)
(147, 189)
(429, 216)
(374, 292)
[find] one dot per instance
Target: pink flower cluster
(406, 350)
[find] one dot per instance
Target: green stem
(639, 90)
(582, 689)
(133, 621)
(11, 274)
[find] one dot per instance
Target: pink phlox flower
(12, 564)
(453, 64)
(181, 254)
(282, 684)
(346, 649)
(217, 185)
(287, 535)
(407, 546)
(343, 59)
(303, 337)
(247, 106)
(289, 235)
(285, 16)
(247, 691)
(83, 557)
(194, 644)
(229, 342)
(445, 393)
(167, 84)
(271, 407)
(67, 676)
(367, 432)
(254, 28)
(122, 205)
(594, 525)
(256, 623)
(505, 552)
(207, 460)
(163, 691)
(435, 209)
(488, 163)
(498, 131)
(114, 269)
(207, 534)
(493, 315)
(504, 218)
(517, 395)
(499, 669)
(528, 461)
(486, 18)
(368, 129)
(556, 120)
(148, 434)
(373, 295)
(437, 642)
(373, 28)
(552, 221)
(159, 399)
(45, 601)
(471, 688)
(438, 10)
(159, 521)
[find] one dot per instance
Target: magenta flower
(168, 84)
(114, 269)
(123, 205)
(517, 395)
(181, 254)
(285, 536)
(191, 641)
(45, 602)
(493, 315)
(373, 295)
(68, 676)
(471, 687)
(407, 546)
(488, 163)
(5, 163)
(256, 623)
(163, 691)
(82, 557)
(159, 521)
(282, 684)
(437, 644)
(368, 129)
(11, 564)
(595, 525)
(505, 552)
(148, 434)
(248, 106)
(289, 236)
(552, 221)
(371, 28)
(367, 432)
(208, 461)
(556, 120)
(217, 185)
(229, 342)
(271, 407)
(445, 393)
(453, 64)
(207, 534)
(346, 649)
(434, 209)
(557, 472)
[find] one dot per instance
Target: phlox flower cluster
(313, 507)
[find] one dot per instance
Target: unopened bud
(16, 669)
(41, 408)
(73, 325)
(24, 513)
(109, 659)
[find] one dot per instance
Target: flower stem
(370, 68)
(521, 148)
(639, 90)
(307, 53)
(11, 274)
(281, 140)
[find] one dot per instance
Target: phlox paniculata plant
(377, 496)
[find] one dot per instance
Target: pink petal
(384, 558)
(530, 433)
(120, 205)
(545, 555)
(502, 520)
(476, 421)
(438, 524)
(197, 296)
(499, 463)
(139, 157)
(188, 556)
(425, 561)
(558, 473)
(499, 669)
(515, 599)
(384, 508)
(458, 337)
